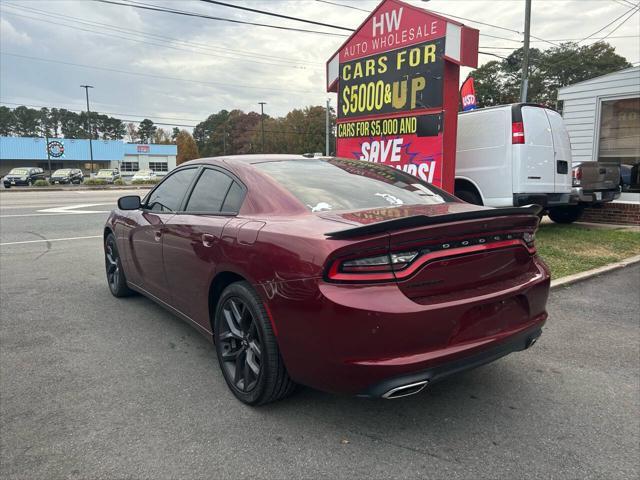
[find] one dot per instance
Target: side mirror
(130, 202)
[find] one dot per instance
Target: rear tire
(568, 214)
(469, 196)
(247, 348)
(115, 273)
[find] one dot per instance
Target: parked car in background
(67, 176)
(594, 183)
(343, 275)
(144, 175)
(108, 174)
(630, 178)
(513, 155)
(26, 176)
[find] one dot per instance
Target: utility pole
(46, 146)
(262, 104)
(327, 126)
(525, 56)
(86, 90)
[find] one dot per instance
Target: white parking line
(95, 212)
(50, 240)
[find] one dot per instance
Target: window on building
(129, 166)
(159, 166)
(620, 131)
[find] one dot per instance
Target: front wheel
(567, 214)
(115, 274)
(247, 349)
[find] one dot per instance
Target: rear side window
(215, 192)
(339, 184)
(168, 196)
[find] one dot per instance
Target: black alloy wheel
(115, 275)
(240, 344)
(247, 348)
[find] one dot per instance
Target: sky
(177, 70)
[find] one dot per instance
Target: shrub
(146, 182)
(41, 183)
(95, 181)
(119, 181)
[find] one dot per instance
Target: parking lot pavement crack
(47, 243)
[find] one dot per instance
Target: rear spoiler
(424, 220)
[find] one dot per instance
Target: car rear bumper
(596, 196)
(395, 387)
(545, 199)
(361, 339)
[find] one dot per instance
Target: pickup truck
(593, 183)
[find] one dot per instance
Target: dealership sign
(55, 149)
(397, 83)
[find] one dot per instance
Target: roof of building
(34, 148)
(631, 72)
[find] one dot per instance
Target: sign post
(397, 83)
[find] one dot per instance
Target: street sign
(397, 83)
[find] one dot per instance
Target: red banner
(468, 95)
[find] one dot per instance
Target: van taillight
(517, 133)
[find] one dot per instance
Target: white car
(513, 155)
(144, 175)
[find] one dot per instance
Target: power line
(619, 25)
(163, 45)
(608, 24)
(345, 6)
(202, 46)
(127, 72)
(209, 17)
(492, 55)
(593, 38)
(278, 15)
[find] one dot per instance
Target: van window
(481, 130)
(536, 127)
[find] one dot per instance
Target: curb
(578, 277)
(76, 189)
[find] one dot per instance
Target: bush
(95, 181)
(145, 182)
(41, 183)
(119, 181)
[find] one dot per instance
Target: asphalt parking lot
(96, 387)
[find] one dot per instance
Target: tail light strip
(335, 272)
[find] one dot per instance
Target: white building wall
(581, 110)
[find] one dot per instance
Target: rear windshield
(104, 173)
(19, 171)
(64, 171)
(337, 184)
(144, 172)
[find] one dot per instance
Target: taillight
(517, 133)
(576, 175)
(399, 265)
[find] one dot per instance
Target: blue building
(74, 153)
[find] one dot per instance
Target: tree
(498, 82)
(187, 148)
(7, 121)
(174, 134)
(27, 122)
(161, 136)
(131, 132)
(146, 129)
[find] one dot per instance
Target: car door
(537, 164)
(145, 236)
(192, 243)
(562, 152)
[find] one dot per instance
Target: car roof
(248, 159)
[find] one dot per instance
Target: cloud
(221, 60)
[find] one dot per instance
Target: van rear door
(562, 151)
(534, 159)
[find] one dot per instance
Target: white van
(514, 155)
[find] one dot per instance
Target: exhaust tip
(405, 390)
(531, 341)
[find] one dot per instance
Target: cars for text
(26, 176)
(342, 275)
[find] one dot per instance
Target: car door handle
(208, 239)
(158, 235)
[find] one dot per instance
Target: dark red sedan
(342, 275)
